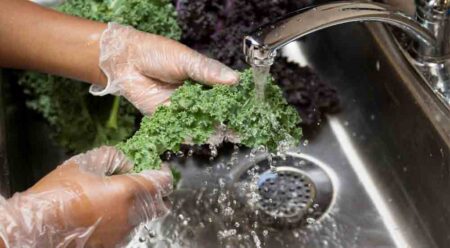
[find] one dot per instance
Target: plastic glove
(146, 68)
(87, 201)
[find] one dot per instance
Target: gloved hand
(87, 201)
(146, 68)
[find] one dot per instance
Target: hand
(146, 68)
(86, 201)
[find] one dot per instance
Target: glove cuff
(113, 45)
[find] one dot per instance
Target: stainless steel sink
(387, 154)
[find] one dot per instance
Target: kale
(81, 121)
(216, 28)
(197, 110)
(153, 16)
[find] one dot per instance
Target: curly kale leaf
(81, 121)
(154, 16)
(196, 110)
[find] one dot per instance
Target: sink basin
(387, 154)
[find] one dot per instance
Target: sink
(386, 154)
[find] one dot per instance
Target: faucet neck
(261, 45)
(434, 16)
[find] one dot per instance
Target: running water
(260, 76)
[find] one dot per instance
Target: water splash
(214, 215)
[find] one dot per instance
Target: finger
(209, 71)
(103, 161)
(147, 94)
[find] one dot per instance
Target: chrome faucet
(430, 54)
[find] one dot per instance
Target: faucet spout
(261, 45)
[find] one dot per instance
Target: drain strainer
(286, 191)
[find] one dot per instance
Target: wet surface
(387, 158)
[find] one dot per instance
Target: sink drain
(288, 191)
(285, 193)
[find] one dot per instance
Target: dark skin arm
(37, 38)
(40, 39)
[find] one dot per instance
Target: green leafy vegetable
(81, 121)
(153, 16)
(196, 110)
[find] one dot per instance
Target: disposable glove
(146, 68)
(87, 201)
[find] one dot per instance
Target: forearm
(2, 244)
(36, 38)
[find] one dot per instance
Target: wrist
(113, 48)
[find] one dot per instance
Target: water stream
(260, 76)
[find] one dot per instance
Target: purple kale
(305, 91)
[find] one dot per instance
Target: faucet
(430, 30)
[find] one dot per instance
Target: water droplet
(213, 150)
(302, 163)
(310, 220)
(190, 152)
(168, 155)
(228, 211)
(226, 233)
(256, 239)
(151, 233)
(222, 183)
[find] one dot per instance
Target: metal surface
(261, 45)
(434, 15)
(290, 190)
(431, 56)
(285, 193)
(387, 153)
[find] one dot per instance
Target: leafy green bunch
(197, 110)
(81, 121)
